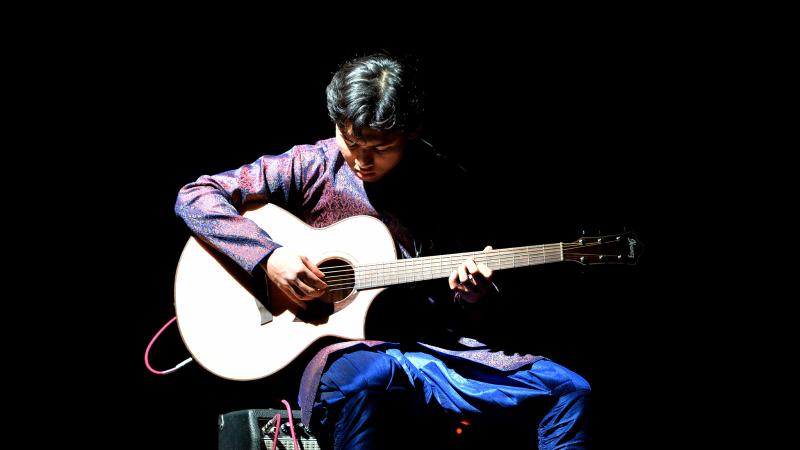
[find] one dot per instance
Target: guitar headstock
(621, 248)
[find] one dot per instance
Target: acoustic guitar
(237, 332)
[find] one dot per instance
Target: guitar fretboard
(411, 270)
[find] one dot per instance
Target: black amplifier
(255, 429)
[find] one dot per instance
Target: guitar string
(464, 255)
(348, 283)
(426, 260)
(397, 275)
(392, 277)
(346, 278)
(499, 262)
(412, 265)
(417, 263)
(409, 264)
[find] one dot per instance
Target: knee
(559, 379)
(580, 385)
(363, 370)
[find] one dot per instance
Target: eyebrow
(351, 140)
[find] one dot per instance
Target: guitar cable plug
(147, 353)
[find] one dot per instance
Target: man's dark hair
(380, 92)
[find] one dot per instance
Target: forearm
(211, 216)
(211, 207)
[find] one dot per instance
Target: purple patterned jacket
(315, 183)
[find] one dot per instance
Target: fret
(411, 270)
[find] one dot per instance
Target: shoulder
(322, 149)
(305, 154)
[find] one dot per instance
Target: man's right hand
(295, 275)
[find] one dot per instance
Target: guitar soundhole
(340, 277)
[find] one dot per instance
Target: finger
(307, 291)
(452, 281)
(310, 278)
(485, 271)
(462, 273)
(472, 268)
(312, 267)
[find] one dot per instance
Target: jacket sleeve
(211, 206)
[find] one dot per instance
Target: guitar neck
(411, 270)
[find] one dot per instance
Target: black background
(562, 134)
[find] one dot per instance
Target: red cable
(277, 430)
(291, 424)
(147, 353)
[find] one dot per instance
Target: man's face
(374, 154)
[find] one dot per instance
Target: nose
(364, 158)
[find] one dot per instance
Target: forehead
(372, 136)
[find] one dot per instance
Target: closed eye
(353, 145)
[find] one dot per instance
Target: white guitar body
(220, 320)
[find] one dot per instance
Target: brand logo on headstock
(631, 243)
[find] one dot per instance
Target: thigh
(548, 376)
(468, 388)
(363, 370)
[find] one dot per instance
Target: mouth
(361, 171)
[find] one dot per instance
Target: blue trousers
(385, 399)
